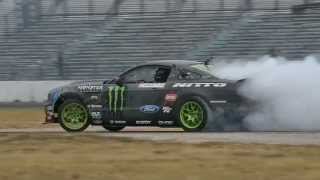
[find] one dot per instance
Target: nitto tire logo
(116, 98)
(215, 84)
(149, 109)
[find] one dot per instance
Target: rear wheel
(193, 114)
(73, 116)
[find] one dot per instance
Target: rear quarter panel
(214, 93)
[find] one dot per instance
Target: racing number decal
(116, 100)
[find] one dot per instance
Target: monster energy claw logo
(116, 98)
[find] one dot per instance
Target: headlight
(54, 95)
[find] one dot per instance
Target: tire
(193, 114)
(113, 128)
(73, 116)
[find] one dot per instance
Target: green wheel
(73, 116)
(192, 115)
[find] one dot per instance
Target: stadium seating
(98, 41)
(33, 46)
(293, 35)
(100, 47)
(141, 38)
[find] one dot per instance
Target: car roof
(172, 62)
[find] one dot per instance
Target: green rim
(191, 114)
(74, 116)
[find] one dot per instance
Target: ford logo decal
(149, 109)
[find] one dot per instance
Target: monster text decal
(90, 88)
(214, 84)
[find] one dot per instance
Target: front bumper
(50, 115)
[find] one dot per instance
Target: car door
(144, 94)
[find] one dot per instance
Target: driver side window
(146, 74)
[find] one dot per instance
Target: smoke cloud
(286, 93)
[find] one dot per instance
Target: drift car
(162, 93)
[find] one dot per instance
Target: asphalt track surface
(177, 135)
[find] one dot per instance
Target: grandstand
(295, 36)
(89, 39)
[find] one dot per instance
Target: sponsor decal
(94, 106)
(94, 97)
(149, 109)
(143, 122)
(96, 121)
(166, 109)
(90, 88)
(116, 98)
(161, 123)
(214, 84)
(117, 122)
(96, 115)
(151, 85)
(172, 97)
(218, 101)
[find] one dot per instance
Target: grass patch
(84, 156)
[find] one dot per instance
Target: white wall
(27, 91)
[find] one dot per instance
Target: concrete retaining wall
(27, 91)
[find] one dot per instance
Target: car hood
(74, 86)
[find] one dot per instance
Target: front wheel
(73, 116)
(193, 114)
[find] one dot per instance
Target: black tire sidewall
(204, 107)
(60, 109)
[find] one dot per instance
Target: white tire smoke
(287, 93)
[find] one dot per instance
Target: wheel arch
(66, 96)
(183, 97)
